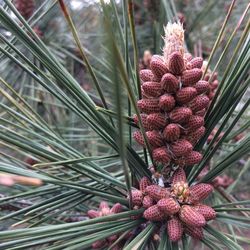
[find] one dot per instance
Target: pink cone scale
(174, 229)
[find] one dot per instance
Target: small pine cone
(144, 182)
(174, 229)
(144, 121)
(168, 206)
(190, 77)
(154, 138)
(158, 66)
(153, 214)
(201, 112)
(181, 147)
(147, 201)
(198, 103)
(194, 123)
(196, 135)
(93, 214)
(152, 89)
(176, 63)
(193, 158)
(180, 115)
(200, 192)
(25, 7)
(149, 105)
(166, 102)
(156, 121)
(117, 208)
(208, 212)
(196, 62)
(169, 83)
(185, 95)
(195, 232)
(137, 135)
(171, 132)
(161, 155)
(137, 197)
(202, 87)
(189, 216)
(179, 176)
(146, 75)
(156, 192)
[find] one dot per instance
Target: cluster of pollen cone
(173, 105)
(174, 102)
(179, 207)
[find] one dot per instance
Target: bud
(137, 197)
(201, 112)
(158, 67)
(185, 95)
(171, 132)
(93, 214)
(145, 124)
(156, 192)
(200, 192)
(147, 201)
(180, 115)
(156, 121)
(179, 176)
(152, 89)
(174, 229)
(169, 83)
(208, 212)
(137, 135)
(181, 147)
(146, 75)
(117, 208)
(190, 77)
(168, 206)
(154, 138)
(198, 103)
(193, 158)
(166, 102)
(190, 217)
(196, 135)
(153, 214)
(202, 87)
(196, 63)
(144, 182)
(176, 63)
(161, 155)
(149, 105)
(194, 123)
